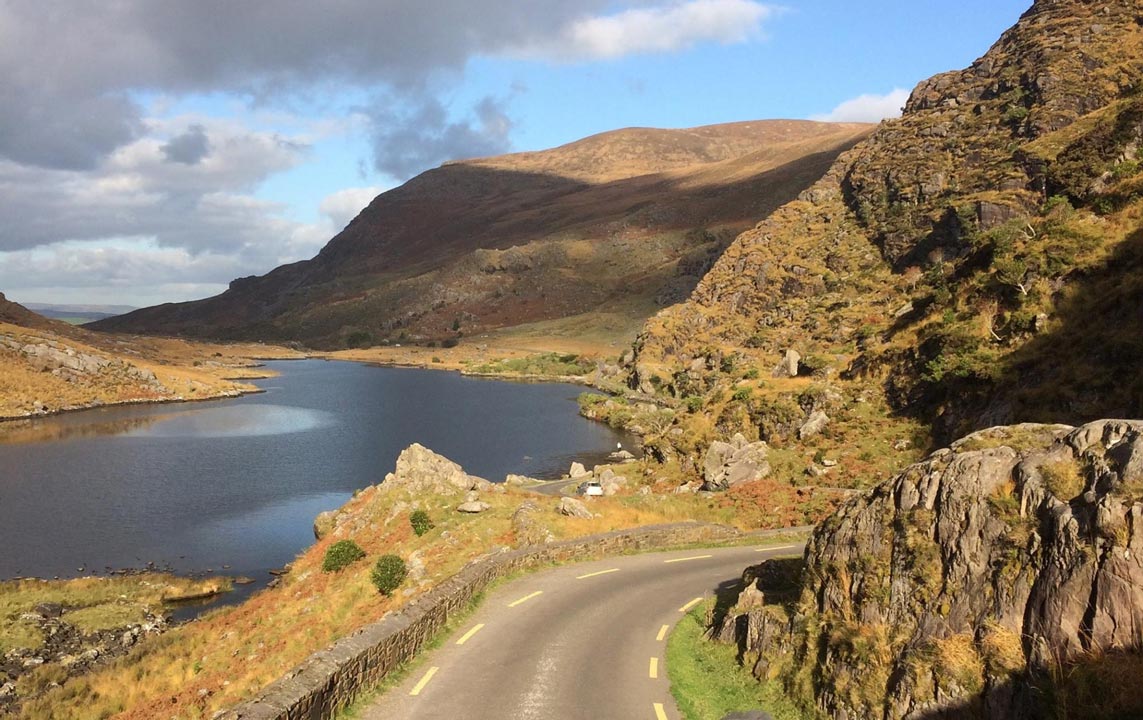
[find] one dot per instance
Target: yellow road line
(468, 635)
(601, 572)
(662, 633)
(654, 671)
(424, 681)
(660, 713)
(690, 605)
(526, 598)
(696, 557)
(780, 547)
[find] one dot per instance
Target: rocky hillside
(47, 366)
(620, 224)
(973, 263)
(1000, 578)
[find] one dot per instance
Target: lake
(194, 487)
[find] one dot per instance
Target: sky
(153, 150)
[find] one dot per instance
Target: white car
(591, 487)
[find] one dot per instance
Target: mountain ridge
(497, 242)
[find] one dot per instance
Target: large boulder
(573, 508)
(727, 464)
(1008, 563)
(420, 471)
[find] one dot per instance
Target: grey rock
(788, 367)
(727, 464)
(573, 508)
(813, 425)
(420, 471)
(324, 523)
(473, 507)
(577, 471)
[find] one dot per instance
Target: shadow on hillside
(1088, 367)
(445, 214)
(1107, 687)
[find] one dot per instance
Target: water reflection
(56, 428)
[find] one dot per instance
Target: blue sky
(212, 142)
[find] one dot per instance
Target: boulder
(577, 471)
(324, 523)
(788, 367)
(421, 471)
(727, 464)
(472, 507)
(573, 508)
(814, 424)
(520, 481)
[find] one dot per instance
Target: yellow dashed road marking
(424, 681)
(468, 635)
(660, 713)
(690, 605)
(601, 572)
(654, 671)
(696, 557)
(526, 598)
(662, 633)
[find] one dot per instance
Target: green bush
(341, 554)
(421, 522)
(388, 573)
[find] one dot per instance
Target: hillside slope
(973, 263)
(620, 223)
(47, 366)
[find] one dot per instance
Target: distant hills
(78, 314)
(614, 225)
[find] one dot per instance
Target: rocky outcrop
(420, 470)
(728, 464)
(528, 526)
(969, 583)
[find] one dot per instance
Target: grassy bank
(707, 681)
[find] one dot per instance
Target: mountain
(77, 314)
(974, 263)
(48, 366)
(620, 223)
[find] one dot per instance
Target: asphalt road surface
(579, 642)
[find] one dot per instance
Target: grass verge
(707, 681)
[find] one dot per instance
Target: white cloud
(867, 108)
(344, 205)
(667, 28)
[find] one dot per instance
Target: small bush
(388, 573)
(421, 522)
(449, 342)
(341, 554)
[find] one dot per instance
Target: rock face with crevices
(969, 584)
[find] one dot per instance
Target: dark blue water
(237, 483)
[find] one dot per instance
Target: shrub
(388, 573)
(449, 342)
(341, 554)
(421, 522)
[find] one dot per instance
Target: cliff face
(620, 223)
(947, 268)
(999, 578)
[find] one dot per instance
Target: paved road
(582, 641)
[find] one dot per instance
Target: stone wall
(333, 678)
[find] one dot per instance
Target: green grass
(707, 681)
(546, 364)
(106, 617)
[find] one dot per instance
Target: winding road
(583, 641)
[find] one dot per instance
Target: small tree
(388, 573)
(421, 522)
(341, 554)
